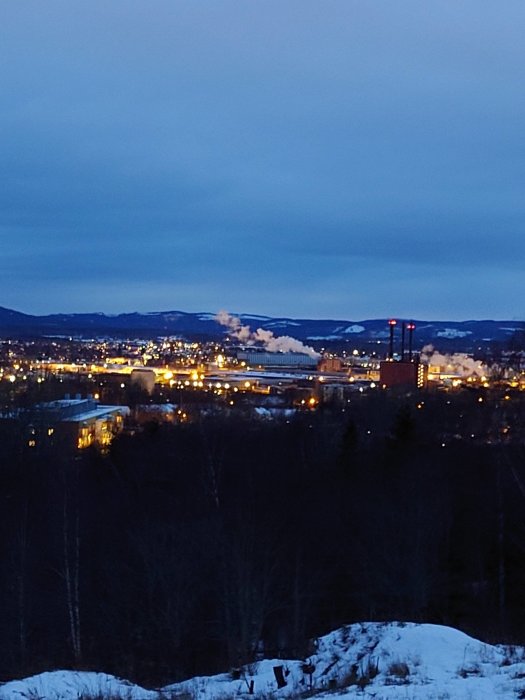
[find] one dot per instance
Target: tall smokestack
(392, 323)
(411, 328)
(403, 326)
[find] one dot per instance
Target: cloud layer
(306, 158)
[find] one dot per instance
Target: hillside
(453, 335)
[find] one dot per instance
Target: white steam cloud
(272, 343)
(458, 363)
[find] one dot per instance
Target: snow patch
(391, 661)
(452, 333)
(255, 317)
(71, 685)
(274, 413)
(355, 328)
(281, 324)
(324, 337)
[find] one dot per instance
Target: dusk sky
(336, 158)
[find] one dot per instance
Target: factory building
(408, 371)
(330, 364)
(413, 374)
(277, 359)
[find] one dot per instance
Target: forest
(195, 548)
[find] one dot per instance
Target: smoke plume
(272, 343)
(458, 363)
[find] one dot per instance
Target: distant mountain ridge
(447, 334)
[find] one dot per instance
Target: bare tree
(71, 555)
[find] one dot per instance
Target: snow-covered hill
(385, 661)
(451, 335)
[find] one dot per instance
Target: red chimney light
(392, 322)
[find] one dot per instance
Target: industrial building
(277, 359)
(330, 364)
(398, 373)
(407, 371)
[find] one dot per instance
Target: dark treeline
(190, 549)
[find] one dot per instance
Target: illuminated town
(262, 351)
(101, 387)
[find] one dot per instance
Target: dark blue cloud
(331, 158)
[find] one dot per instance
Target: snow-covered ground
(74, 685)
(385, 661)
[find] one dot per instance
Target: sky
(322, 159)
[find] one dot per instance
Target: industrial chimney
(411, 327)
(392, 323)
